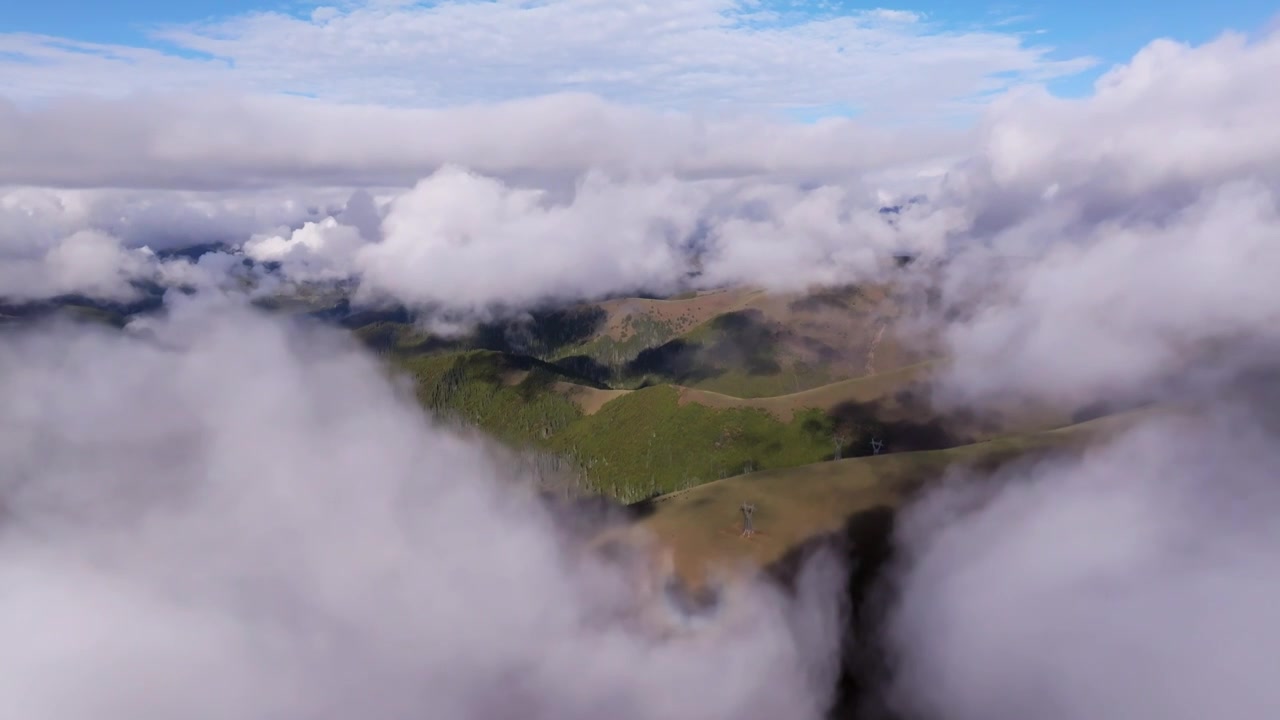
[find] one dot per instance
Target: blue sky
(1113, 30)
(120, 21)
(1110, 31)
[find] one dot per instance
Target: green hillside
(739, 342)
(637, 397)
(640, 444)
(510, 397)
(701, 526)
(637, 444)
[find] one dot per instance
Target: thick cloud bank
(227, 517)
(1128, 303)
(1139, 582)
(1123, 248)
(222, 142)
(569, 197)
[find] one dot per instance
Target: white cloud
(208, 142)
(1138, 582)
(1128, 304)
(896, 16)
(316, 251)
(86, 262)
(784, 238)
(1142, 219)
(463, 241)
(1174, 114)
(97, 242)
(466, 241)
(1132, 254)
(235, 518)
(31, 217)
(570, 196)
(1134, 231)
(679, 53)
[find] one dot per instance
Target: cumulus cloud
(1175, 120)
(1136, 582)
(462, 239)
(31, 217)
(1129, 304)
(99, 242)
(87, 262)
(1174, 114)
(1087, 257)
(233, 517)
(569, 196)
(316, 251)
(1078, 187)
(786, 238)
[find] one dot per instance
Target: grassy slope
(648, 442)
(740, 383)
(477, 387)
(636, 444)
(873, 388)
(859, 390)
(740, 342)
(701, 525)
(633, 324)
(892, 405)
(743, 342)
(800, 343)
(642, 443)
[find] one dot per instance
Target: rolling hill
(702, 526)
(634, 444)
(687, 547)
(741, 342)
(636, 397)
(746, 342)
(637, 444)
(645, 396)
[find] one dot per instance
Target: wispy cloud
(681, 53)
